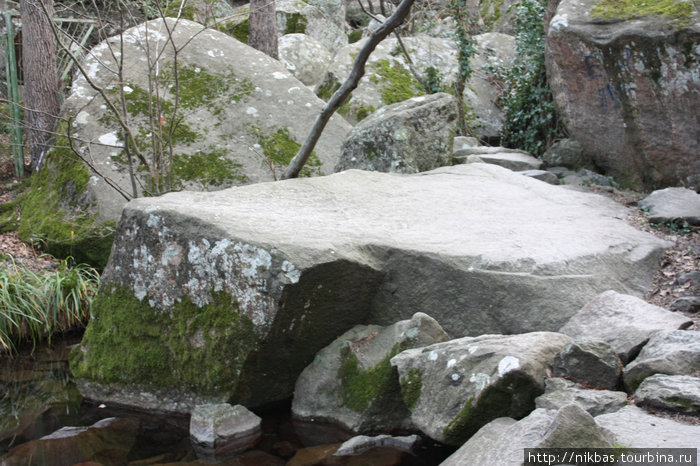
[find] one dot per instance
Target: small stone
(542, 175)
(673, 205)
(221, 429)
(361, 443)
(594, 364)
(686, 304)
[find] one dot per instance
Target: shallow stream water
(38, 397)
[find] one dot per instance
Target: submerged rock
(229, 295)
(222, 429)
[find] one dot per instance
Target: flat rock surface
(673, 204)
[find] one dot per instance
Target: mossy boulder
(351, 383)
(388, 78)
(468, 382)
(202, 126)
(624, 78)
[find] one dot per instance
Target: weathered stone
(672, 392)
(633, 427)
(351, 383)
(305, 57)
(222, 429)
(626, 85)
(594, 364)
(504, 440)
(561, 392)
(686, 304)
(625, 322)
(388, 79)
(565, 153)
(454, 388)
(362, 443)
(667, 352)
(234, 125)
(542, 175)
(229, 295)
(108, 442)
(673, 205)
(511, 159)
(408, 137)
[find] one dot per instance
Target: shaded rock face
(234, 122)
(503, 440)
(106, 442)
(228, 295)
(560, 392)
(628, 89)
(455, 388)
(408, 137)
(592, 363)
(351, 383)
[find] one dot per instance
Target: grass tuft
(35, 305)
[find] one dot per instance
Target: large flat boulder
(232, 293)
(624, 79)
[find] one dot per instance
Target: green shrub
(532, 122)
(35, 305)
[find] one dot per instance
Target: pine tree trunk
(263, 27)
(41, 97)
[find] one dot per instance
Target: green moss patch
(490, 11)
(514, 396)
(362, 387)
(211, 168)
(677, 10)
(296, 24)
(53, 219)
(280, 148)
(355, 36)
(197, 349)
(397, 82)
(411, 387)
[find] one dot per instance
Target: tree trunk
(263, 27)
(41, 97)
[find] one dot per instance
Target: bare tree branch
(358, 70)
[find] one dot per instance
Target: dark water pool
(38, 397)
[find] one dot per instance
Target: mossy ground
(53, 219)
(677, 10)
(279, 148)
(196, 349)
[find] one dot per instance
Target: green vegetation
(355, 35)
(362, 387)
(53, 219)
(397, 82)
(678, 10)
(411, 387)
(465, 50)
(187, 347)
(532, 122)
(433, 80)
(296, 23)
(490, 11)
(279, 149)
(209, 168)
(35, 305)
(239, 30)
(327, 89)
(512, 397)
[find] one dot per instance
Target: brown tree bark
(262, 28)
(41, 94)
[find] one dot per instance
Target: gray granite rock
(592, 363)
(673, 205)
(671, 392)
(561, 392)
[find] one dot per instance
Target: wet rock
(362, 443)
(504, 440)
(407, 137)
(594, 364)
(635, 428)
(351, 383)
(623, 321)
(561, 392)
(107, 442)
(454, 388)
(667, 352)
(222, 429)
(670, 392)
(672, 205)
